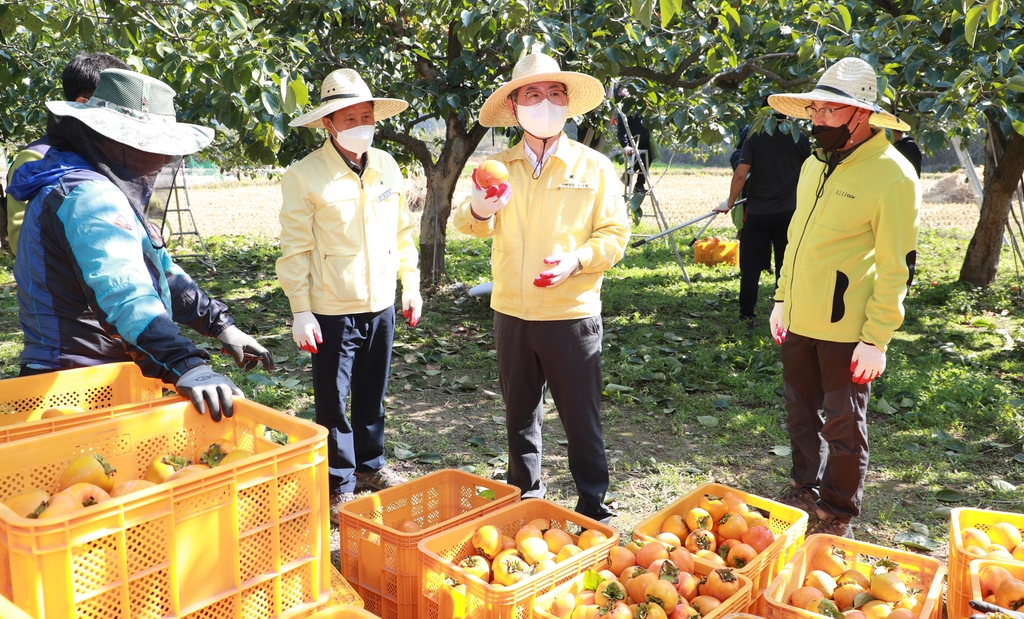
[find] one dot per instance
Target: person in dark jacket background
(768, 170)
(908, 148)
(95, 282)
(642, 138)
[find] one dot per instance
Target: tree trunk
(441, 180)
(982, 260)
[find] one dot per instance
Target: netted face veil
(131, 170)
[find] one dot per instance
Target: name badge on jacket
(574, 184)
(384, 195)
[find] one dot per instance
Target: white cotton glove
(565, 264)
(486, 202)
(412, 306)
(867, 364)
(627, 150)
(723, 207)
(775, 324)
(306, 331)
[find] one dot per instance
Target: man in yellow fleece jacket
(346, 237)
(558, 224)
(848, 266)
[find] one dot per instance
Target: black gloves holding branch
(205, 387)
(245, 350)
(987, 610)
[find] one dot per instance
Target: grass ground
(691, 395)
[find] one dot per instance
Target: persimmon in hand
(490, 175)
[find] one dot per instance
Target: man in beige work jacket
(558, 225)
(346, 235)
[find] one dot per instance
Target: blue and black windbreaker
(92, 288)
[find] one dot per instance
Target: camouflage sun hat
(138, 111)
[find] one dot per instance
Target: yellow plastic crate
(344, 612)
(709, 252)
(959, 589)
(384, 563)
(440, 554)
(787, 523)
(729, 608)
(9, 611)
(917, 571)
(249, 539)
(342, 593)
(1016, 569)
(24, 398)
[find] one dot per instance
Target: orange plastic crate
(729, 608)
(24, 398)
(708, 252)
(9, 611)
(249, 539)
(343, 612)
(787, 523)
(440, 553)
(342, 593)
(384, 563)
(959, 590)
(1016, 569)
(917, 571)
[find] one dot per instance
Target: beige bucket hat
(137, 110)
(585, 92)
(851, 81)
(342, 88)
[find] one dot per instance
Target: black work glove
(245, 350)
(987, 608)
(205, 387)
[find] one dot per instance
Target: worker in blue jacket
(95, 282)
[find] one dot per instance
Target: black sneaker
(828, 524)
(800, 498)
(378, 480)
(336, 502)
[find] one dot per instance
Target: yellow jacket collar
(340, 166)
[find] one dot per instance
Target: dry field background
(251, 207)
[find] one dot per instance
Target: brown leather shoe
(336, 501)
(378, 480)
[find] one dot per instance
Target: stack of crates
(710, 251)
(247, 539)
(382, 562)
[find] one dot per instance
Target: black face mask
(830, 139)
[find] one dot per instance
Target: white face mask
(543, 120)
(356, 140)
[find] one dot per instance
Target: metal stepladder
(169, 187)
(635, 200)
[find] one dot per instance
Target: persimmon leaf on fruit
(591, 580)
(918, 541)
(949, 496)
(862, 599)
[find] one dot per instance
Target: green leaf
(913, 448)
(949, 496)
(1002, 485)
(1016, 83)
(1018, 458)
(591, 580)
(614, 388)
(720, 403)
(707, 421)
(486, 493)
(844, 16)
(498, 460)
(862, 599)
(403, 454)
(884, 407)
(781, 450)
(971, 24)
(430, 458)
(478, 441)
(942, 511)
(921, 528)
(995, 10)
(918, 541)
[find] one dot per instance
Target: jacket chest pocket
(844, 211)
(572, 210)
(339, 227)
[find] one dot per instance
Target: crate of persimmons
(725, 527)
(164, 512)
(496, 566)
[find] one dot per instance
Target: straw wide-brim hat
(851, 81)
(138, 111)
(342, 88)
(585, 92)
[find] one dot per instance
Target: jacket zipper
(803, 233)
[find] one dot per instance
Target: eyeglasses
(826, 112)
(534, 97)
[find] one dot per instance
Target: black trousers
(761, 233)
(355, 357)
(827, 422)
(566, 355)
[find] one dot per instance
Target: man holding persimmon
(558, 224)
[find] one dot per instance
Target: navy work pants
(761, 234)
(355, 357)
(565, 355)
(827, 422)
